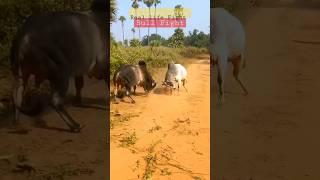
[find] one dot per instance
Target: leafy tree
(153, 37)
(113, 10)
(177, 39)
(197, 39)
(178, 11)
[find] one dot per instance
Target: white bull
(228, 46)
(175, 76)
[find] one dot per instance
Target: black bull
(131, 76)
(56, 47)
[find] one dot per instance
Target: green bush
(154, 57)
(197, 39)
(135, 43)
(154, 37)
(155, 43)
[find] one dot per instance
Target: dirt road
(54, 153)
(272, 133)
(164, 136)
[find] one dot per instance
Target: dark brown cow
(131, 76)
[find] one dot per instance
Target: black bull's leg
(57, 105)
(17, 99)
(79, 82)
(71, 123)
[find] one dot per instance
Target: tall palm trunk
(139, 34)
(149, 27)
(155, 16)
(139, 26)
(122, 34)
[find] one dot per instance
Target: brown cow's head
(149, 83)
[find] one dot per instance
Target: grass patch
(150, 168)
(190, 52)
(165, 172)
(155, 128)
(114, 121)
(128, 140)
(161, 160)
(117, 119)
(151, 161)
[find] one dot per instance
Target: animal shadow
(139, 94)
(91, 103)
(162, 90)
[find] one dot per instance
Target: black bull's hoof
(77, 129)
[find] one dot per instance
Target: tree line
(194, 38)
(177, 40)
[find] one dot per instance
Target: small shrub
(155, 43)
(135, 43)
(129, 140)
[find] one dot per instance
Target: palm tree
(135, 5)
(148, 3)
(133, 31)
(178, 10)
(122, 19)
(113, 10)
(156, 2)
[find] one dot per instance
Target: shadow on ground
(161, 90)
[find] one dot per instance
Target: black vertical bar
(108, 21)
(211, 97)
